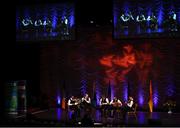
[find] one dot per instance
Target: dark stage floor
(59, 117)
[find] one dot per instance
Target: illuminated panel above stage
(45, 22)
(142, 18)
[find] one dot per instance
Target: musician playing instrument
(130, 103)
(73, 104)
(116, 102)
(104, 105)
(104, 101)
(172, 21)
(126, 19)
(153, 21)
(141, 20)
(86, 102)
(86, 99)
(115, 105)
(128, 106)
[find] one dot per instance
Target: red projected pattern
(118, 66)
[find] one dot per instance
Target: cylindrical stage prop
(11, 103)
(22, 108)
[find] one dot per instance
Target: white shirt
(130, 104)
(174, 16)
(107, 101)
(140, 18)
(124, 18)
(66, 21)
(86, 100)
(69, 102)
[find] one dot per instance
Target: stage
(59, 117)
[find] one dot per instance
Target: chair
(133, 113)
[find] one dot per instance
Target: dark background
(46, 65)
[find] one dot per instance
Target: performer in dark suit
(128, 106)
(172, 21)
(153, 21)
(104, 105)
(116, 102)
(86, 102)
(86, 99)
(115, 105)
(74, 106)
(141, 22)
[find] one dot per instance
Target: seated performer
(126, 19)
(128, 106)
(72, 103)
(115, 105)
(86, 101)
(74, 106)
(116, 102)
(65, 26)
(130, 103)
(153, 21)
(104, 101)
(141, 20)
(104, 104)
(172, 21)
